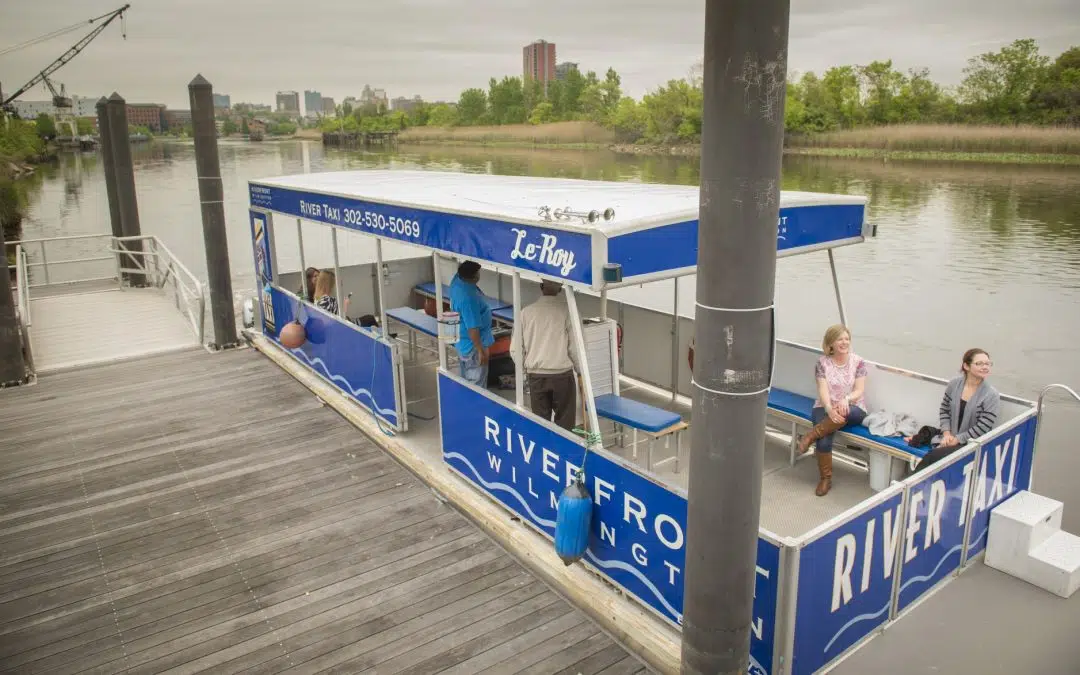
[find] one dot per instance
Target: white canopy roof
(519, 198)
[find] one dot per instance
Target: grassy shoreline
(927, 142)
(816, 151)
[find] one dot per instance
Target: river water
(966, 255)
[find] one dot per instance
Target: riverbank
(936, 143)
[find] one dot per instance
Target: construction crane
(60, 100)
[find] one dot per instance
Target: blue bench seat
(428, 290)
(798, 405)
(415, 319)
(635, 414)
(504, 314)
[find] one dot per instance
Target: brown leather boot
(824, 463)
(819, 431)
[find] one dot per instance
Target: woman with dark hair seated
(969, 408)
(308, 291)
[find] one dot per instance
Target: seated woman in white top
(841, 381)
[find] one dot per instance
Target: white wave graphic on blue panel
(599, 562)
(316, 362)
(645, 581)
(503, 487)
(857, 620)
(925, 577)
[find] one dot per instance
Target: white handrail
(1038, 421)
(22, 286)
(187, 286)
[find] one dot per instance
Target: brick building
(149, 115)
(538, 62)
(177, 119)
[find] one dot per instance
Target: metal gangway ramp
(93, 299)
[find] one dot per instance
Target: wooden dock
(197, 512)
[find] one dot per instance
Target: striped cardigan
(980, 414)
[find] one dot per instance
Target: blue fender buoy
(573, 522)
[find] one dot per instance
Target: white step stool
(1026, 541)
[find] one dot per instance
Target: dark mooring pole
(211, 194)
(124, 172)
(741, 146)
(110, 171)
(12, 367)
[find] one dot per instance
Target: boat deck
(195, 512)
(89, 324)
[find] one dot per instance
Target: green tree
(673, 113)
(611, 89)
(998, 85)
(543, 113)
(1056, 98)
(244, 128)
(506, 101)
(882, 85)
(228, 128)
(629, 121)
(532, 94)
(592, 104)
(84, 126)
(472, 106)
(922, 100)
(568, 104)
(842, 96)
(443, 115)
(418, 115)
(46, 127)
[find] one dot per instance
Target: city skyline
(436, 51)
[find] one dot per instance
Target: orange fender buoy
(292, 335)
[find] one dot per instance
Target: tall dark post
(741, 146)
(124, 171)
(12, 367)
(110, 171)
(211, 194)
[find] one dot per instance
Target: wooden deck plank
(609, 655)
(193, 512)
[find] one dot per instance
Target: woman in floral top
(841, 381)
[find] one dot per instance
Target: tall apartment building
(288, 102)
(222, 101)
(328, 107)
(312, 103)
(538, 62)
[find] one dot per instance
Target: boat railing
(162, 269)
(1039, 406)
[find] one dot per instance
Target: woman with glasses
(968, 410)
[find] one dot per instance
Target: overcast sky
(435, 48)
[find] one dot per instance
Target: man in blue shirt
(474, 337)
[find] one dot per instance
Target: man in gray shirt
(542, 340)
